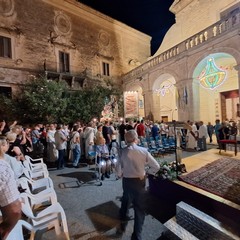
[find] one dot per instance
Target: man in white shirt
(131, 167)
(60, 141)
(202, 136)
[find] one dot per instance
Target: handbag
(38, 147)
(73, 146)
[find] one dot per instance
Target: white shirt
(202, 131)
(133, 161)
(50, 135)
(15, 165)
(60, 140)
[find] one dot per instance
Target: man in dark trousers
(122, 130)
(131, 167)
(106, 133)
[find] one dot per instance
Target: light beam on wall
(164, 88)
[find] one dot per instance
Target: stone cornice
(179, 5)
(89, 14)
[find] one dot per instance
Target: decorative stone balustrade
(224, 25)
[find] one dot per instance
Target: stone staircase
(191, 224)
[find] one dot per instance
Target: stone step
(176, 232)
(200, 224)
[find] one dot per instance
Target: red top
(141, 130)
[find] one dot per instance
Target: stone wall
(39, 29)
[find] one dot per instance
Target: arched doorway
(218, 88)
(165, 98)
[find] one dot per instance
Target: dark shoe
(126, 218)
(102, 177)
(107, 175)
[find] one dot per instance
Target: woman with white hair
(89, 134)
(14, 149)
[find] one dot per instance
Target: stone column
(188, 100)
(237, 67)
(148, 96)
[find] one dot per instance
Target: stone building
(195, 74)
(64, 39)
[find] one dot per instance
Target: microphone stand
(175, 140)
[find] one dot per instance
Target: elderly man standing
(10, 205)
(60, 140)
(131, 167)
(202, 136)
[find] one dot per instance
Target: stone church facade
(64, 39)
(195, 74)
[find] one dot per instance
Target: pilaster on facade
(203, 38)
(148, 97)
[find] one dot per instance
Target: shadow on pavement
(104, 216)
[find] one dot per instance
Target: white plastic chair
(35, 160)
(34, 175)
(39, 183)
(47, 195)
(35, 164)
(17, 231)
(34, 167)
(51, 216)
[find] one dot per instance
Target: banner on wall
(130, 104)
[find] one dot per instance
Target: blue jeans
(202, 144)
(133, 192)
(76, 155)
(60, 162)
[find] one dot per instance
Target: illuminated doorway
(229, 105)
(215, 88)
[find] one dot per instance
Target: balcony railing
(224, 25)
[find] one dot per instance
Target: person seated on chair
(103, 159)
(10, 205)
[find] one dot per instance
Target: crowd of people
(64, 144)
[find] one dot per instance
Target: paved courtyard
(92, 210)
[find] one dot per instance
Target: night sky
(148, 16)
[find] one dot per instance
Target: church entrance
(229, 105)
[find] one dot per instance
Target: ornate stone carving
(62, 24)
(19, 61)
(104, 38)
(6, 7)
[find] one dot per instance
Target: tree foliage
(41, 100)
(45, 101)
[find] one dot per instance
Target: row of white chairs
(39, 202)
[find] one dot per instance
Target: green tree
(87, 104)
(40, 100)
(45, 101)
